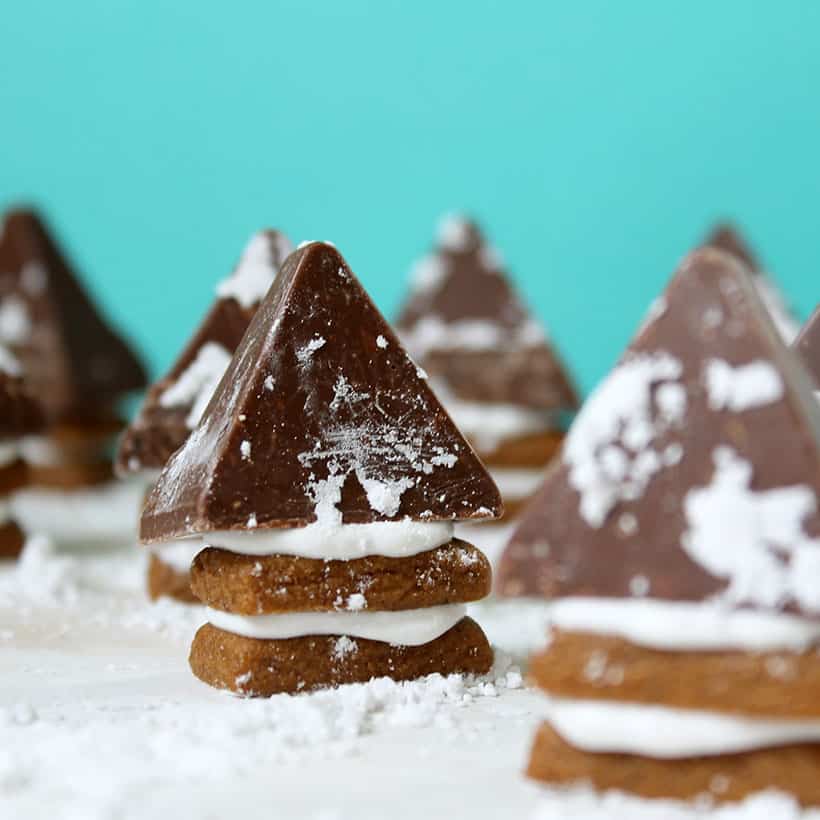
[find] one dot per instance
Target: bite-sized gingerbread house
(678, 538)
(324, 479)
(76, 365)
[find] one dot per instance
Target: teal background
(595, 140)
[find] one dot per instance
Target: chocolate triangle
(727, 238)
(174, 403)
(20, 413)
(807, 344)
(75, 363)
(466, 325)
(693, 471)
(320, 416)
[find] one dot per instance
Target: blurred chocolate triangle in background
(174, 403)
(705, 430)
(465, 324)
(75, 363)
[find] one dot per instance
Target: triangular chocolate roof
(320, 415)
(19, 412)
(465, 324)
(807, 344)
(75, 363)
(727, 238)
(693, 470)
(173, 404)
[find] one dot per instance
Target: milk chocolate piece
(75, 364)
(166, 416)
(320, 409)
(807, 345)
(20, 413)
(254, 667)
(707, 404)
(254, 585)
(723, 778)
(461, 291)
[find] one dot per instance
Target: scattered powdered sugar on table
(584, 804)
(755, 540)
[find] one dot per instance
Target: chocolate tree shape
(466, 325)
(74, 362)
(727, 238)
(807, 344)
(173, 403)
(693, 470)
(320, 416)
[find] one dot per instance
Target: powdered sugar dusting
(15, 322)
(257, 268)
(754, 540)
(196, 384)
(305, 354)
(741, 388)
(8, 362)
(431, 333)
(454, 232)
(610, 449)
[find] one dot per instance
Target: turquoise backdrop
(595, 140)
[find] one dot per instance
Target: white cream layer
(664, 732)
(337, 542)
(178, 554)
(9, 453)
(409, 627)
(684, 626)
(516, 484)
(43, 451)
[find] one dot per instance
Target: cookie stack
(324, 478)
(19, 415)
(679, 537)
(75, 364)
(174, 404)
(489, 360)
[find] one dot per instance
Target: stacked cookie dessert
(20, 415)
(324, 478)
(679, 536)
(727, 238)
(75, 364)
(489, 360)
(174, 404)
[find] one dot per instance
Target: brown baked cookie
(765, 684)
(532, 450)
(254, 667)
(12, 477)
(70, 476)
(254, 585)
(725, 778)
(166, 581)
(12, 540)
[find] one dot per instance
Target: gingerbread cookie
(488, 359)
(325, 461)
(678, 538)
(175, 402)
